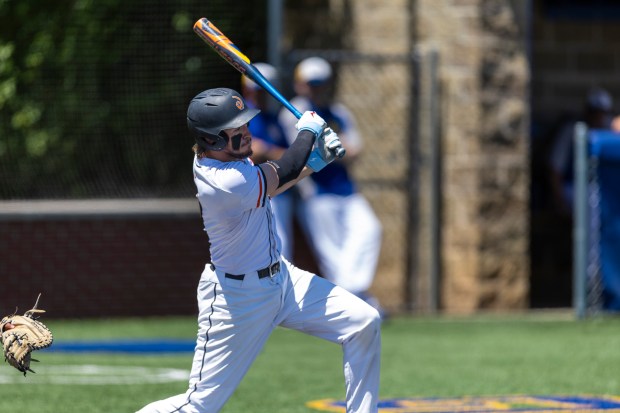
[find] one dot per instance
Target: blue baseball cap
(599, 99)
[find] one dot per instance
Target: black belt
(265, 272)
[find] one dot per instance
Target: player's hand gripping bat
(229, 52)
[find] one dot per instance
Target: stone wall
(484, 80)
(483, 77)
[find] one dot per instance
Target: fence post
(412, 277)
(274, 33)
(580, 219)
(435, 207)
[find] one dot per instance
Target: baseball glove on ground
(21, 335)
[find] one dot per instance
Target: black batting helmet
(212, 111)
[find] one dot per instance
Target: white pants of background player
(237, 317)
(345, 234)
(283, 209)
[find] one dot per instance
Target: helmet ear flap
(210, 142)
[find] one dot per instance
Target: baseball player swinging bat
(229, 52)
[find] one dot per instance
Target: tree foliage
(93, 94)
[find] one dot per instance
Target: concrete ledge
(104, 208)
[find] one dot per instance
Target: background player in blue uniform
(343, 229)
(269, 142)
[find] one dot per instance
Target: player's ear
(210, 141)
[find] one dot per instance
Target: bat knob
(340, 152)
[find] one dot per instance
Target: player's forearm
(289, 167)
(304, 173)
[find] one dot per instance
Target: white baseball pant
(283, 209)
(346, 235)
(237, 317)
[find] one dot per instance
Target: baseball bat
(231, 53)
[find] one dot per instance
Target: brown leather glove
(21, 335)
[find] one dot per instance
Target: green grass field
(538, 354)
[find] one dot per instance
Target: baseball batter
(249, 288)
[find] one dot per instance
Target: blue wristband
(315, 161)
(316, 129)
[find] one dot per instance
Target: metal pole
(274, 32)
(580, 219)
(435, 187)
(413, 189)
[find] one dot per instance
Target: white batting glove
(312, 122)
(327, 148)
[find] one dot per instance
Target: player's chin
(247, 150)
(242, 154)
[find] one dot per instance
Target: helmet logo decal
(239, 103)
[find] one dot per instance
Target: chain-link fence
(594, 285)
(596, 221)
(93, 95)
(107, 121)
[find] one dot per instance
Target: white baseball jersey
(237, 215)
